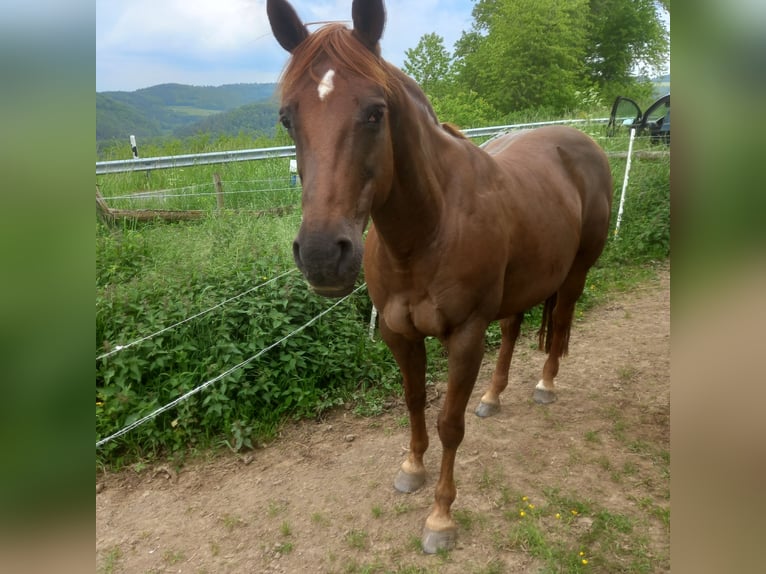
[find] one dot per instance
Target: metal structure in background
(188, 160)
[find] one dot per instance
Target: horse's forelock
(340, 45)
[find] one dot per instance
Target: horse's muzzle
(330, 263)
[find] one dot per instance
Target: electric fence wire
(118, 348)
(206, 384)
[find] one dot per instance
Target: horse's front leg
(466, 349)
(410, 355)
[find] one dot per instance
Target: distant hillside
(114, 119)
(259, 118)
(172, 109)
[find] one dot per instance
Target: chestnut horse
(460, 236)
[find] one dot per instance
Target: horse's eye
(375, 116)
(285, 121)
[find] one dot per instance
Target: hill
(259, 118)
(173, 109)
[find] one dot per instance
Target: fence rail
(187, 160)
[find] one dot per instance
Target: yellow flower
(524, 498)
(574, 512)
(522, 513)
(582, 553)
(531, 506)
(584, 561)
(558, 516)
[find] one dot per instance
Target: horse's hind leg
(490, 401)
(557, 338)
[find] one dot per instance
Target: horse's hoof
(544, 397)
(438, 540)
(485, 410)
(406, 482)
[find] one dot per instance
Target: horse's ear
(369, 18)
(288, 28)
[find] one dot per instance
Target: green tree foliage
(624, 36)
(526, 54)
(430, 65)
(464, 108)
(117, 120)
(544, 54)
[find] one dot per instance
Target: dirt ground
(320, 498)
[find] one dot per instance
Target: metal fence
(187, 160)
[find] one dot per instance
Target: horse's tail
(545, 333)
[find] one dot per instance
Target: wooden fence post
(218, 191)
(102, 209)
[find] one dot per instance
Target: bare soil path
(320, 498)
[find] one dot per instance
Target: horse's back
(561, 159)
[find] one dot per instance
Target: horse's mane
(340, 45)
(453, 130)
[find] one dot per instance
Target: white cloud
(199, 27)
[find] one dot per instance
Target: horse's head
(334, 105)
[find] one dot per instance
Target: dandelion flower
(524, 498)
(574, 512)
(531, 506)
(584, 561)
(582, 553)
(522, 513)
(558, 516)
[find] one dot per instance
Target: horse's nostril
(345, 247)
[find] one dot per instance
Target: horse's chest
(414, 317)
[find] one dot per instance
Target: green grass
(357, 539)
(230, 522)
(285, 529)
(110, 562)
(568, 534)
(284, 548)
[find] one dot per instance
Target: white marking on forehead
(326, 86)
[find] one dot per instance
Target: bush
(145, 284)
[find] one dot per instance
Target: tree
(625, 36)
(430, 65)
(526, 54)
(543, 54)
(465, 109)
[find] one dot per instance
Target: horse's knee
(451, 431)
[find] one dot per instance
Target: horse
(461, 235)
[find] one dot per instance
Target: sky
(142, 43)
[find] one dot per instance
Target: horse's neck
(412, 212)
